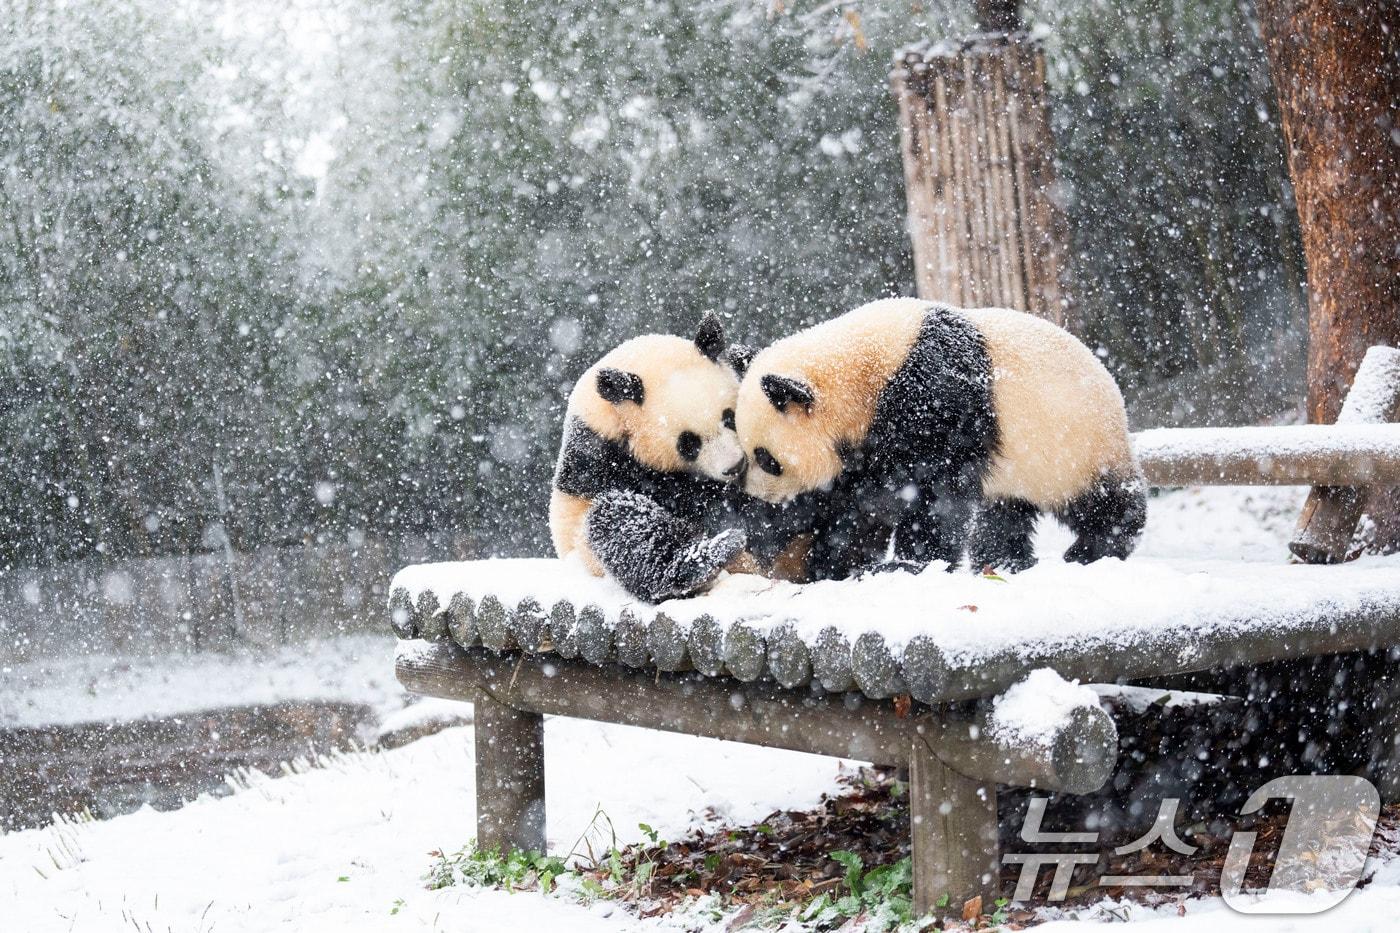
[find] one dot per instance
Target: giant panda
(648, 462)
(903, 418)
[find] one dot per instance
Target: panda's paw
(726, 545)
(705, 560)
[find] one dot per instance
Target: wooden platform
(940, 637)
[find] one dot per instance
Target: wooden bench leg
(954, 824)
(509, 777)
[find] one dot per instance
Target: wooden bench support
(953, 821)
(956, 756)
(509, 777)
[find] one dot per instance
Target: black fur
(919, 471)
(709, 339)
(783, 391)
(651, 552)
(617, 386)
(591, 465)
(1107, 519)
(739, 356)
(1001, 536)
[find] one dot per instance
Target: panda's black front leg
(654, 554)
(1002, 536)
(935, 527)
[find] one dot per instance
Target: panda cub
(647, 463)
(904, 418)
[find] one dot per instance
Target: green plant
(489, 868)
(885, 890)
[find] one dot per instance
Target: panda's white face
(781, 428)
(686, 420)
(673, 401)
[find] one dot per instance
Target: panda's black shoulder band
(590, 465)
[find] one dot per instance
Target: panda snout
(737, 470)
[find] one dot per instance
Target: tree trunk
(1336, 64)
(984, 218)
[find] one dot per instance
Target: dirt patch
(114, 768)
(786, 858)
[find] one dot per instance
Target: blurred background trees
(345, 258)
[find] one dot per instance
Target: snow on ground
(273, 856)
(96, 688)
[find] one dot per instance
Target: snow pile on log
(1035, 709)
(1348, 454)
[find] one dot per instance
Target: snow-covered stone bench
(984, 662)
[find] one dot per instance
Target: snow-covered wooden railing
(1291, 455)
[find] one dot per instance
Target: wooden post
(1328, 522)
(984, 218)
(509, 777)
(954, 824)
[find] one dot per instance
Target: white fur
(1059, 411)
(683, 391)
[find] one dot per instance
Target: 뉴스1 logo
(1320, 859)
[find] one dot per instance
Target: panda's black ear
(617, 386)
(739, 356)
(783, 391)
(710, 337)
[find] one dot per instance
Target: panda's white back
(1060, 414)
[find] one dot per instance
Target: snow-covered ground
(96, 688)
(343, 844)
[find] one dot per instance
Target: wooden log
(401, 613)
(953, 822)
(510, 808)
(789, 659)
(1330, 514)
(461, 620)
(691, 703)
(430, 617)
(595, 636)
(1297, 455)
(666, 643)
(1080, 757)
(493, 624)
(745, 652)
(563, 629)
(831, 661)
(925, 669)
(874, 667)
(529, 626)
(1329, 629)
(630, 639)
(706, 644)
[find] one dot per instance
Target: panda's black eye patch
(688, 445)
(727, 419)
(766, 462)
